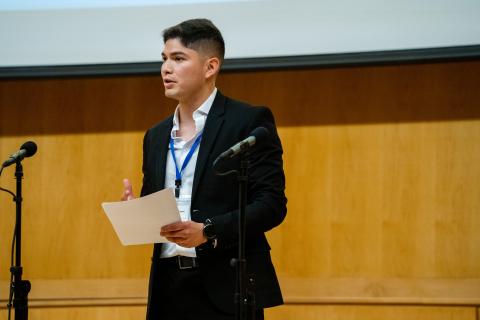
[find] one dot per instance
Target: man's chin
(171, 95)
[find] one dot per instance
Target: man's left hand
(188, 234)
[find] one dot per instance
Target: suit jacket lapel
(212, 127)
(161, 150)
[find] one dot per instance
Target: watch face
(209, 230)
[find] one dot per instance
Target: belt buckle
(186, 267)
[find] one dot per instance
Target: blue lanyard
(178, 173)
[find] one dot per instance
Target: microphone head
(260, 134)
(30, 148)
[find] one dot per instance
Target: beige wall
(383, 171)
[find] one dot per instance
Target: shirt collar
(199, 115)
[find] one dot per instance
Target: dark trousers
(183, 296)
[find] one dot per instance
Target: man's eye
(179, 59)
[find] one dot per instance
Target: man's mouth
(168, 83)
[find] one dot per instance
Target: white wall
(103, 33)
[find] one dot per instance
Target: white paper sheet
(138, 221)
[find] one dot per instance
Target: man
(191, 276)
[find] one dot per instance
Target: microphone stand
(244, 298)
(20, 287)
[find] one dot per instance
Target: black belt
(181, 262)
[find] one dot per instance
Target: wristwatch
(209, 232)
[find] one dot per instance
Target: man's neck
(187, 107)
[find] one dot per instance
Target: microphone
(258, 135)
(27, 149)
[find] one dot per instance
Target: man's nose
(166, 67)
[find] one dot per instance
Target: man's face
(183, 71)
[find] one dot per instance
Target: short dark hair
(198, 34)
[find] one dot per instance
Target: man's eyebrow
(174, 53)
(177, 53)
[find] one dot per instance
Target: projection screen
(96, 32)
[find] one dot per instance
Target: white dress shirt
(182, 148)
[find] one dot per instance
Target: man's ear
(212, 67)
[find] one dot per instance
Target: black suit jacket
(216, 197)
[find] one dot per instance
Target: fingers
(128, 190)
(182, 241)
(175, 233)
(174, 230)
(176, 226)
(187, 234)
(181, 228)
(177, 240)
(127, 184)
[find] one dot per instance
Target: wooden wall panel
(65, 233)
(386, 200)
(382, 168)
(386, 94)
(313, 312)
(296, 290)
(305, 312)
(85, 313)
(81, 105)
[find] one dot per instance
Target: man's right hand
(127, 190)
